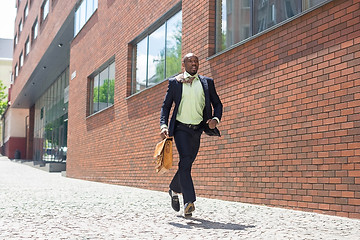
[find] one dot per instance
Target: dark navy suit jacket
(174, 93)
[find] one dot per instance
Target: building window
(311, 3)
(34, 30)
(26, 11)
(45, 10)
(102, 88)
(83, 13)
(27, 46)
(15, 40)
(21, 60)
(157, 56)
(16, 70)
(20, 26)
(238, 20)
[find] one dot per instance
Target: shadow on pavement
(206, 224)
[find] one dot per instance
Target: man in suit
(194, 96)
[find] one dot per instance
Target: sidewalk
(35, 204)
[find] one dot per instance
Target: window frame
(21, 60)
(27, 46)
(16, 70)
(15, 40)
(43, 15)
(26, 11)
(162, 21)
(218, 21)
(20, 27)
(78, 24)
(35, 24)
(91, 80)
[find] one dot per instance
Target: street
(35, 204)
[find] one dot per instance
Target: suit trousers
(187, 142)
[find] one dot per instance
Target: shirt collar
(187, 75)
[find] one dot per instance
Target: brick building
(91, 76)
(5, 76)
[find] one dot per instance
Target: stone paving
(35, 204)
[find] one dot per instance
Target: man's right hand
(164, 133)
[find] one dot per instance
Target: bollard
(17, 154)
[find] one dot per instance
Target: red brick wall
(291, 119)
(13, 144)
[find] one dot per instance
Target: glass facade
(158, 55)
(51, 115)
(238, 20)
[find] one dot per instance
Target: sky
(7, 18)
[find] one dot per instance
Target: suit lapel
(204, 85)
(178, 92)
(207, 110)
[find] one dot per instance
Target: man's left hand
(212, 123)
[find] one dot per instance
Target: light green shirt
(192, 102)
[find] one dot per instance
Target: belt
(191, 126)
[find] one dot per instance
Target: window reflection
(111, 84)
(173, 45)
(102, 89)
(50, 128)
(270, 12)
(141, 65)
(45, 9)
(158, 55)
(83, 13)
(95, 87)
(238, 20)
(35, 30)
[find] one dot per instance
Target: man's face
(191, 64)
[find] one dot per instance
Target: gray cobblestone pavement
(38, 205)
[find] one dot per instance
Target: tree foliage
(3, 97)
(105, 92)
(172, 60)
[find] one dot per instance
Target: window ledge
(148, 88)
(100, 111)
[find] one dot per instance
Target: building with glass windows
(91, 76)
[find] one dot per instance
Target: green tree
(173, 56)
(105, 92)
(3, 97)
